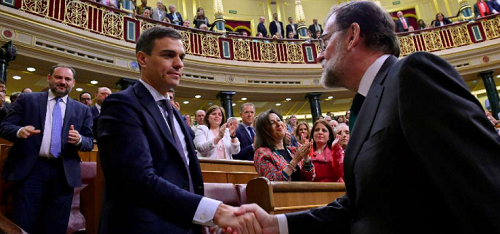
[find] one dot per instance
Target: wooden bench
(227, 171)
(286, 197)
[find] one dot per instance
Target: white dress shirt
(98, 108)
(205, 212)
(278, 27)
(364, 87)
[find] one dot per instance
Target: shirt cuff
(205, 212)
(80, 141)
(282, 223)
(17, 134)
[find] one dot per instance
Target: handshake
(246, 219)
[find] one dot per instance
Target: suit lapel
(364, 121)
(244, 131)
(149, 103)
(43, 108)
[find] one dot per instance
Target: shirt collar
(157, 96)
(246, 126)
(52, 96)
(369, 76)
(98, 106)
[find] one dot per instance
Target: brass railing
(110, 22)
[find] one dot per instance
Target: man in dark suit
(101, 94)
(315, 27)
(292, 28)
(246, 133)
(276, 26)
(402, 23)
(86, 98)
(153, 177)
(47, 129)
(406, 171)
(174, 16)
(261, 28)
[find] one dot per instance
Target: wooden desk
(286, 197)
(227, 171)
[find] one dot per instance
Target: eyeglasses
(321, 40)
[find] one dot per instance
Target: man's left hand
(74, 136)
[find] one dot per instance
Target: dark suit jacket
(446, 21)
(493, 5)
(273, 29)
(262, 29)
(476, 9)
(146, 187)
(411, 165)
(400, 27)
(30, 109)
(171, 18)
(246, 149)
(95, 118)
(312, 28)
(289, 29)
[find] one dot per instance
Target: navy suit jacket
(290, 29)
(95, 118)
(407, 171)
(171, 18)
(246, 152)
(273, 29)
(400, 27)
(30, 109)
(262, 29)
(147, 185)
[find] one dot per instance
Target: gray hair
(246, 104)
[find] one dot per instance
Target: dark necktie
(167, 107)
(252, 135)
(55, 137)
(355, 108)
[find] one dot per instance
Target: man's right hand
(27, 131)
(244, 223)
(268, 223)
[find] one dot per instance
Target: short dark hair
(212, 109)
(60, 65)
(85, 92)
(172, 90)
(263, 129)
(14, 96)
(146, 41)
(376, 25)
(331, 133)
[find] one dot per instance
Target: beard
(332, 75)
(58, 93)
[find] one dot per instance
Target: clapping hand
(222, 130)
(336, 141)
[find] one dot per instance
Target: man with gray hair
(406, 171)
(174, 16)
(159, 12)
(246, 133)
(199, 115)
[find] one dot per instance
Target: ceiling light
(234, 104)
(186, 102)
(243, 98)
(197, 96)
(79, 89)
(288, 99)
(16, 77)
(31, 69)
(330, 97)
(498, 76)
(94, 82)
(278, 104)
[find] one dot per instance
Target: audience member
(26, 90)
(421, 24)
(276, 27)
(441, 20)
(482, 9)
(341, 119)
(199, 115)
(302, 132)
(144, 5)
(13, 97)
(86, 98)
(159, 12)
(244, 33)
(187, 24)
(290, 35)
(291, 28)
(411, 29)
(333, 123)
(171, 95)
(200, 18)
(111, 3)
(347, 114)
(320, 117)
(3, 110)
(261, 28)
(309, 33)
(260, 35)
(315, 28)
(276, 36)
(146, 13)
(203, 27)
(188, 120)
(216, 139)
(273, 159)
(318, 34)
(246, 132)
(326, 154)
(43, 162)
(153, 178)
(101, 94)
(342, 130)
(327, 118)
(494, 6)
(174, 16)
(166, 20)
(402, 23)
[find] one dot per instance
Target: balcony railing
(117, 24)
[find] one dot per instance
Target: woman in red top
(327, 155)
(273, 159)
